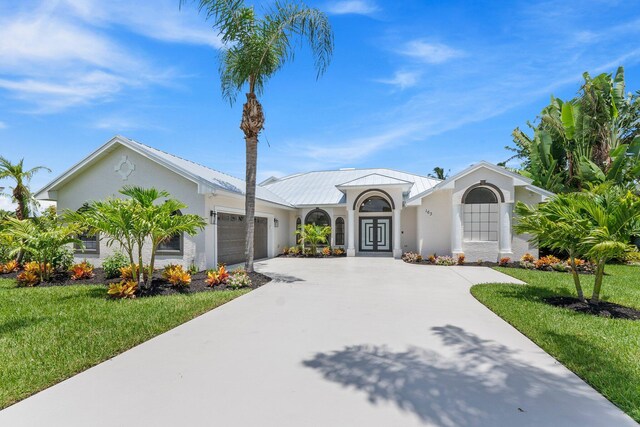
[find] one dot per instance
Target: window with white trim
(480, 215)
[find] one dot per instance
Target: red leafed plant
(84, 270)
(461, 259)
(504, 261)
(217, 277)
(547, 261)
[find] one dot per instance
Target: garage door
(231, 232)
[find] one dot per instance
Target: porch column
(456, 229)
(397, 232)
(351, 229)
(506, 210)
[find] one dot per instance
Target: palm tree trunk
(576, 278)
(252, 123)
(595, 298)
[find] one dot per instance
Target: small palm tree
(255, 49)
(557, 225)
(20, 194)
(614, 217)
(314, 235)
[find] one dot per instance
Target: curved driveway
(335, 342)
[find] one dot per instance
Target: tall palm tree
(20, 192)
(256, 47)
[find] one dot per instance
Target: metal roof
(320, 188)
(374, 179)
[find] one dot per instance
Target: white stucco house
(371, 211)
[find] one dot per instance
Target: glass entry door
(375, 234)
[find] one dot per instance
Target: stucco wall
(433, 225)
(409, 236)
(100, 181)
(521, 243)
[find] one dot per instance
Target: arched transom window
(481, 215)
(375, 204)
(318, 217)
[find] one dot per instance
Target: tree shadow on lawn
(11, 326)
(483, 383)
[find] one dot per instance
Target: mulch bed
(603, 309)
(159, 286)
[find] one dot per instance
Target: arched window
(318, 217)
(90, 243)
(339, 231)
(298, 225)
(173, 245)
(480, 215)
(375, 204)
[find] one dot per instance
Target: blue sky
(413, 84)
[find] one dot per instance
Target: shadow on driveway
(480, 384)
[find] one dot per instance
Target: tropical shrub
(113, 263)
(176, 275)
(546, 262)
(326, 251)
(445, 260)
(217, 277)
(632, 257)
(9, 267)
(461, 259)
(129, 272)
(239, 279)
(338, 252)
(28, 278)
(285, 251)
(123, 290)
(528, 265)
(504, 261)
(62, 258)
(43, 240)
(313, 235)
(432, 258)
(411, 257)
(83, 270)
(294, 250)
(193, 268)
(528, 258)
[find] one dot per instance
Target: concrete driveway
(336, 342)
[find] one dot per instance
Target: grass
(604, 352)
(50, 334)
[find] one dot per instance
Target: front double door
(375, 234)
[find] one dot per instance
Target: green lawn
(49, 334)
(604, 352)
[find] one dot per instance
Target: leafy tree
(314, 235)
(20, 193)
(41, 238)
(591, 139)
(256, 47)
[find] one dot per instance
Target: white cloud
(67, 53)
(402, 79)
(3, 125)
(358, 7)
(430, 53)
